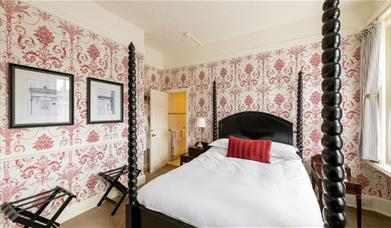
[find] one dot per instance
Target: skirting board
(369, 203)
(88, 204)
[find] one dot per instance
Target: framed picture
(39, 97)
(104, 100)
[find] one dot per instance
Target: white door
(158, 130)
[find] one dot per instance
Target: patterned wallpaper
(37, 159)
(267, 82)
(33, 160)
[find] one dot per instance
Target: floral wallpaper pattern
(267, 82)
(33, 160)
(37, 159)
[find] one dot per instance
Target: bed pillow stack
(256, 150)
(278, 151)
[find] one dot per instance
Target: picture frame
(39, 97)
(104, 101)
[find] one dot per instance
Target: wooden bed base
(137, 216)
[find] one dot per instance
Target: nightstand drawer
(193, 151)
(185, 159)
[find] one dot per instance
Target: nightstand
(186, 158)
(192, 153)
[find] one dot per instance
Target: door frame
(187, 91)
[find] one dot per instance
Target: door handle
(153, 135)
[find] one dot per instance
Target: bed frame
(273, 128)
(256, 125)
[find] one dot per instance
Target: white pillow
(283, 151)
(277, 150)
(220, 150)
(222, 143)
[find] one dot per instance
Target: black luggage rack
(20, 211)
(112, 177)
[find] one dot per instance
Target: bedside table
(186, 158)
(192, 153)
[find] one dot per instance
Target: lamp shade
(201, 122)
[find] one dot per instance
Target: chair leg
(358, 201)
(313, 183)
(118, 204)
(321, 198)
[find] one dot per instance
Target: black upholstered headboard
(256, 125)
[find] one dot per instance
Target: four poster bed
(159, 204)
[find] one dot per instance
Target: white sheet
(215, 191)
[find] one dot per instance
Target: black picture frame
(89, 109)
(13, 92)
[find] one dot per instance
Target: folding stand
(20, 211)
(112, 177)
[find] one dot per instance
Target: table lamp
(201, 123)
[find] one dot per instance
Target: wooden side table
(192, 153)
(186, 158)
(353, 186)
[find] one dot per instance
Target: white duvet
(215, 191)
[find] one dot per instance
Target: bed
(167, 211)
(215, 191)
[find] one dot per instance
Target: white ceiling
(165, 22)
(211, 22)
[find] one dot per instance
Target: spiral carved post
(132, 213)
(214, 104)
(299, 120)
(333, 158)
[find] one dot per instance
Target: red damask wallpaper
(267, 82)
(37, 159)
(33, 160)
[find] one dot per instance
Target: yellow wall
(177, 103)
(177, 121)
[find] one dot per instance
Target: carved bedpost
(214, 104)
(132, 215)
(299, 120)
(333, 158)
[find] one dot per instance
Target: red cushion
(257, 150)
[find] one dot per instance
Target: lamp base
(199, 145)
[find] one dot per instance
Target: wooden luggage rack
(20, 211)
